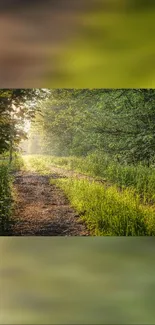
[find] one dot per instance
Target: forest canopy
(118, 123)
(115, 122)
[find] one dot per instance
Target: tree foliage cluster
(116, 122)
(16, 107)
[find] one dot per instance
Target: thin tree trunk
(11, 151)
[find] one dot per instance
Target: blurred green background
(77, 280)
(114, 48)
(77, 44)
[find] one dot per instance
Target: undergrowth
(107, 211)
(123, 209)
(139, 178)
(7, 192)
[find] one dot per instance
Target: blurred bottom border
(53, 280)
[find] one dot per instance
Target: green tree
(16, 106)
(118, 122)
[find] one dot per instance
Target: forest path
(43, 209)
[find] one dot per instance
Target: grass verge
(140, 179)
(107, 211)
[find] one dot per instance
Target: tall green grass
(17, 161)
(37, 163)
(107, 211)
(139, 177)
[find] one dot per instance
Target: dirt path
(42, 209)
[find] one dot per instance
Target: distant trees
(125, 124)
(16, 106)
(118, 122)
(115, 122)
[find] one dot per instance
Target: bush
(6, 190)
(5, 199)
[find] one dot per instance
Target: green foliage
(139, 178)
(37, 163)
(120, 209)
(16, 106)
(62, 124)
(108, 212)
(117, 122)
(5, 199)
(17, 162)
(7, 191)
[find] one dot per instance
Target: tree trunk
(11, 151)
